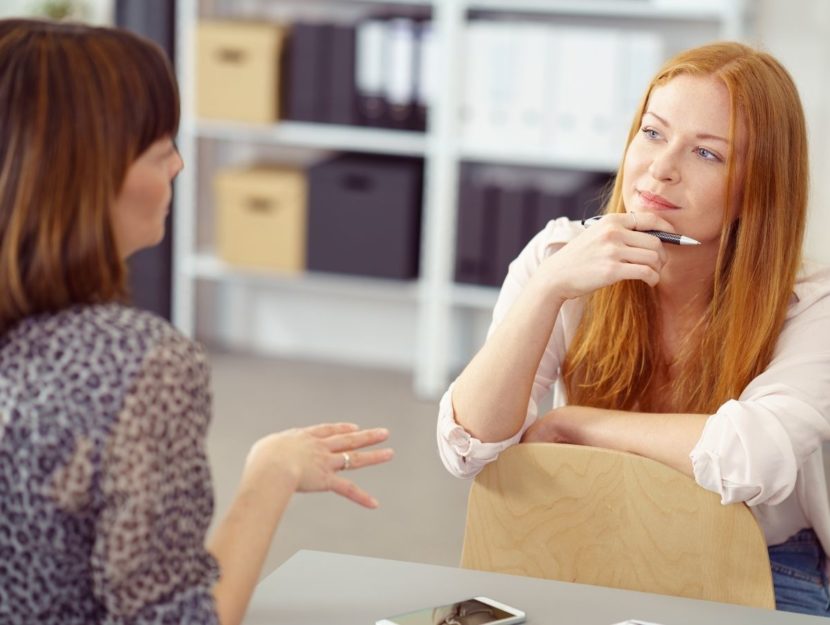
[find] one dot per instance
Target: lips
(656, 201)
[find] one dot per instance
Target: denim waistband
(804, 542)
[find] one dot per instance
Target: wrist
(548, 289)
(567, 425)
(266, 467)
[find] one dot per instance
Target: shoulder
(97, 338)
(812, 287)
(555, 234)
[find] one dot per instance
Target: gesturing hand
(311, 457)
(607, 252)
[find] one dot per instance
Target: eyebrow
(698, 136)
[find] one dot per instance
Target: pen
(666, 237)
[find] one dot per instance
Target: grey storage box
(364, 216)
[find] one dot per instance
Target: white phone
(475, 611)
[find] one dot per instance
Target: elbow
(459, 466)
(773, 486)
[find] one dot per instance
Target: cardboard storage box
(364, 216)
(238, 70)
(261, 217)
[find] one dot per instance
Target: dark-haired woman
(105, 493)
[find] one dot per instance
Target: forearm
(667, 438)
(240, 544)
(491, 396)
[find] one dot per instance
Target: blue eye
(651, 133)
(708, 155)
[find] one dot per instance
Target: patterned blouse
(105, 491)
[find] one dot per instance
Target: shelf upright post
(432, 362)
(184, 217)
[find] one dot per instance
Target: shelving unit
(430, 326)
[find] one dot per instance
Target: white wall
(797, 32)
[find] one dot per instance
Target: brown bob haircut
(78, 104)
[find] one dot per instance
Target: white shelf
(639, 9)
(475, 296)
(208, 266)
(509, 155)
(320, 136)
(414, 3)
(369, 320)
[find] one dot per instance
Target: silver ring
(347, 461)
(635, 219)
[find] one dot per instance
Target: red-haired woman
(712, 358)
(105, 493)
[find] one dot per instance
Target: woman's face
(676, 165)
(142, 205)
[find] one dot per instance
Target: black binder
(342, 103)
(308, 70)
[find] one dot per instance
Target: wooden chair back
(602, 517)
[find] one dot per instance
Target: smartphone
(475, 611)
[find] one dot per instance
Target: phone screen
(468, 612)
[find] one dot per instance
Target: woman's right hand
(311, 458)
(609, 251)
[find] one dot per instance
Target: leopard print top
(105, 491)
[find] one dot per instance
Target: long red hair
(615, 359)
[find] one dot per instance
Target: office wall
(798, 33)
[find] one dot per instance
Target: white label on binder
(369, 68)
(400, 70)
(427, 65)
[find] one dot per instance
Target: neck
(686, 280)
(683, 294)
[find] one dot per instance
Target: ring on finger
(347, 461)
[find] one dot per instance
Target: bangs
(149, 92)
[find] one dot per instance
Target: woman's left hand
(557, 426)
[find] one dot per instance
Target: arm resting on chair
(667, 438)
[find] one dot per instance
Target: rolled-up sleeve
(462, 454)
(752, 448)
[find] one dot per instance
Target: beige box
(238, 70)
(261, 217)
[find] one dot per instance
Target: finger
(649, 221)
(325, 430)
(352, 491)
(356, 440)
(635, 238)
(638, 256)
(630, 271)
(645, 241)
(358, 459)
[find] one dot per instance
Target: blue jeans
(798, 575)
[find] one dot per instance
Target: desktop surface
(319, 588)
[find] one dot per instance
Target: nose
(177, 164)
(664, 166)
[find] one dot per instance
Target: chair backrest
(602, 517)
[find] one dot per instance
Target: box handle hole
(357, 182)
(261, 205)
(230, 55)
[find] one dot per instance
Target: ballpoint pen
(666, 237)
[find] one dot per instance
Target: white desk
(316, 588)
